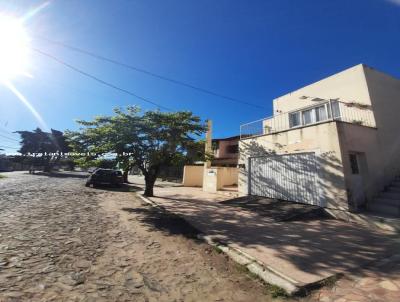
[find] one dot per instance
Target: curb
(262, 271)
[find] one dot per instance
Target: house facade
(225, 151)
(334, 143)
(220, 172)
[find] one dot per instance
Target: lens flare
(28, 105)
(14, 55)
(14, 48)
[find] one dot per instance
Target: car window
(118, 173)
(99, 172)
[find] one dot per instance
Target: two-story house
(226, 151)
(334, 143)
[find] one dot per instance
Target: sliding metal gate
(290, 177)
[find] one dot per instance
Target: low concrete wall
(228, 176)
(193, 176)
(215, 178)
(211, 181)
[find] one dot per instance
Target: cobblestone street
(60, 241)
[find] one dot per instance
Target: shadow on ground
(278, 210)
(121, 188)
(62, 174)
(314, 246)
(170, 224)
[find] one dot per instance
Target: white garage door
(290, 177)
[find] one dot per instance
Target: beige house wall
(384, 91)
(380, 146)
(362, 140)
(322, 139)
(211, 179)
(193, 176)
(228, 175)
(348, 86)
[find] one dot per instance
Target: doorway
(358, 172)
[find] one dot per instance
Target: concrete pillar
(208, 144)
(210, 179)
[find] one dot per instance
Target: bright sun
(14, 48)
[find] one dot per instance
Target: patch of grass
(273, 290)
(330, 282)
(276, 291)
(242, 268)
(2, 176)
(217, 249)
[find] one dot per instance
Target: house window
(308, 116)
(294, 119)
(354, 163)
(233, 149)
(314, 115)
(321, 113)
(335, 109)
(215, 145)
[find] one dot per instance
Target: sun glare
(14, 48)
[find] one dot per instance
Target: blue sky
(250, 50)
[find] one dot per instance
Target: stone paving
(60, 241)
(380, 283)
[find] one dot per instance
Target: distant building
(226, 151)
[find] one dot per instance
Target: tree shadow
(121, 188)
(316, 247)
(169, 224)
(278, 210)
(62, 174)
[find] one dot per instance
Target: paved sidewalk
(379, 283)
(305, 251)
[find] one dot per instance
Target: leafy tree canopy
(148, 140)
(42, 144)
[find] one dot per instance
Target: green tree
(46, 147)
(148, 140)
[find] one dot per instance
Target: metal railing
(354, 113)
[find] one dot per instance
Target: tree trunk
(125, 175)
(150, 180)
(46, 164)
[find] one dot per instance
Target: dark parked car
(105, 177)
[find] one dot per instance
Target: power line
(9, 147)
(5, 131)
(10, 138)
(150, 73)
(100, 80)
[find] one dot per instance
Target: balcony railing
(354, 113)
